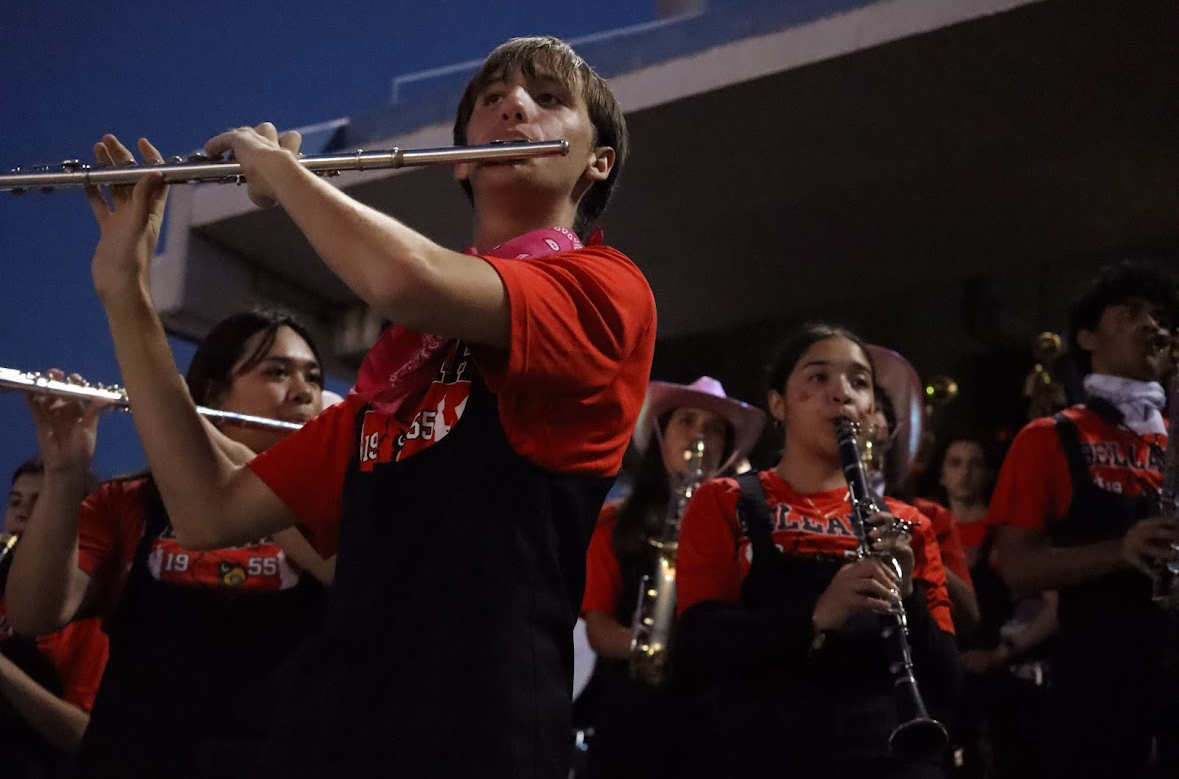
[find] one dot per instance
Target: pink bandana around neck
(403, 361)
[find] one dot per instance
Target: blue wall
(178, 74)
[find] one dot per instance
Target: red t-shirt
(111, 526)
(974, 533)
(949, 539)
(568, 390)
(715, 554)
(603, 577)
(78, 653)
(1034, 487)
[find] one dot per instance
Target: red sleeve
(1034, 487)
(110, 526)
(79, 654)
(706, 564)
(603, 577)
(949, 542)
(306, 471)
(927, 565)
(582, 338)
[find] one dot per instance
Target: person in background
(1004, 653)
(1077, 502)
(198, 638)
(460, 481)
(780, 646)
(47, 684)
(634, 726)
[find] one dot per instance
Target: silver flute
(116, 398)
(199, 169)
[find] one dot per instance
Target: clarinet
(655, 612)
(919, 735)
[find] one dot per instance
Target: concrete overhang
(881, 147)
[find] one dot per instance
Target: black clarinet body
(918, 735)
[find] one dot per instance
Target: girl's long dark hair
(643, 512)
(644, 509)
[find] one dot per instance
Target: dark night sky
(178, 74)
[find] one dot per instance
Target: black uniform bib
(1115, 684)
(24, 753)
(448, 648)
(194, 674)
(787, 713)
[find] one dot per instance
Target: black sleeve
(718, 640)
(936, 660)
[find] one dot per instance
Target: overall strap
(754, 514)
(1070, 443)
(155, 521)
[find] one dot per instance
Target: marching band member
(47, 685)
(787, 675)
(460, 481)
(1075, 498)
(198, 639)
(1001, 711)
(632, 729)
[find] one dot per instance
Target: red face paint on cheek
(802, 396)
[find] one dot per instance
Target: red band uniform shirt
(1082, 478)
(461, 523)
(747, 645)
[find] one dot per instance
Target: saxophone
(655, 613)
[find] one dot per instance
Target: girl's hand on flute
(257, 149)
(67, 430)
(129, 221)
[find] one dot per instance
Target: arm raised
(46, 588)
(402, 274)
(211, 501)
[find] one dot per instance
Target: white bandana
(1141, 402)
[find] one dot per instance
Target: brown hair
(548, 56)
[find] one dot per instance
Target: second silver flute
(198, 170)
(116, 397)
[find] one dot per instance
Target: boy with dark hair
(47, 684)
(1077, 497)
(460, 481)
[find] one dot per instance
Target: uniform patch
(260, 567)
(385, 439)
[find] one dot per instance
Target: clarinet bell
(918, 739)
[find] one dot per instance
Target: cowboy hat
(708, 394)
